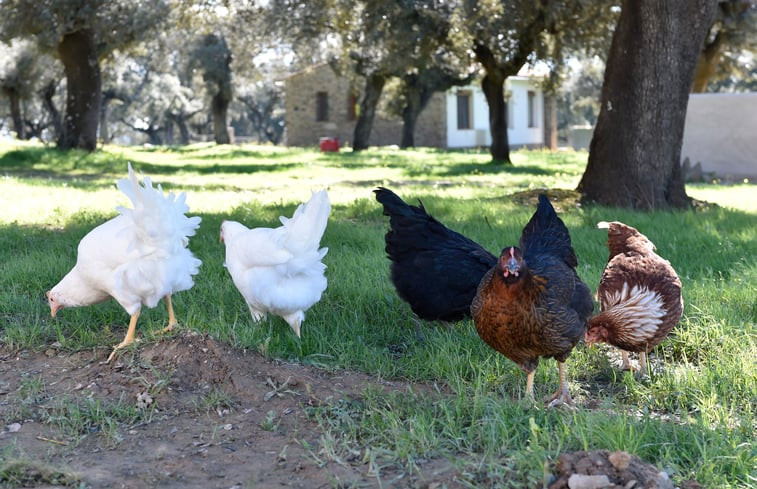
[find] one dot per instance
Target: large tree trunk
(374, 84)
(79, 56)
(493, 85)
(220, 108)
(634, 156)
(48, 92)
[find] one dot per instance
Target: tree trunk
(634, 156)
(48, 92)
(374, 84)
(493, 85)
(410, 114)
(79, 56)
(181, 122)
(550, 122)
(220, 108)
(18, 118)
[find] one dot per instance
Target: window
(531, 108)
(463, 110)
(321, 106)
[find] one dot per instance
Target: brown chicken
(639, 296)
(532, 303)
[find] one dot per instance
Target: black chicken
(434, 269)
(532, 303)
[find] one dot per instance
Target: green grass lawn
(695, 415)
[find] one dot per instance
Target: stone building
(321, 104)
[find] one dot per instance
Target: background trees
(212, 65)
(80, 33)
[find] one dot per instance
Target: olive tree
(80, 33)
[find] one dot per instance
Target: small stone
(664, 482)
(620, 460)
(580, 481)
(13, 427)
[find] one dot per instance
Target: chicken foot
(562, 396)
(129, 339)
(625, 363)
(171, 316)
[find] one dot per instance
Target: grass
(694, 416)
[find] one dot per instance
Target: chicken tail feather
(305, 228)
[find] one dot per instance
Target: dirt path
(212, 417)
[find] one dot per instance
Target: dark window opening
(321, 106)
(463, 110)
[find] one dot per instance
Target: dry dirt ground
(220, 418)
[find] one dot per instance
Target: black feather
(546, 233)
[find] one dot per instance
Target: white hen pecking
(136, 258)
(279, 270)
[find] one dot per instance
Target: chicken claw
(129, 339)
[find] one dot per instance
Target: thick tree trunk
(18, 119)
(634, 156)
(413, 107)
(79, 56)
(374, 84)
(493, 85)
(220, 108)
(48, 92)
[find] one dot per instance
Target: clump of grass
(31, 473)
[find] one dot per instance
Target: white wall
(518, 132)
(721, 133)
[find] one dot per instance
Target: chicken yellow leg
(129, 339)
(530, 386)
(171, 316)
(562, 396)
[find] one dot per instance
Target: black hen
(434, 269)
(532, 303)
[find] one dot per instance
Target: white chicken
(279, 270)
(137, 257)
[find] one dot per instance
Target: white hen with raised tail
(279, 270)
(137, 258)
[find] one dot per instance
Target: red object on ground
(329, 144)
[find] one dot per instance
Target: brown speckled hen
(532, 303)
(639, 296)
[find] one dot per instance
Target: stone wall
(302, 128)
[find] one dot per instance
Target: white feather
(279, 270)
(638, 307)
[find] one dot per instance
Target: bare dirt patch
(207, 416)
(221, 418)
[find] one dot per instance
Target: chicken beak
(512, 267)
